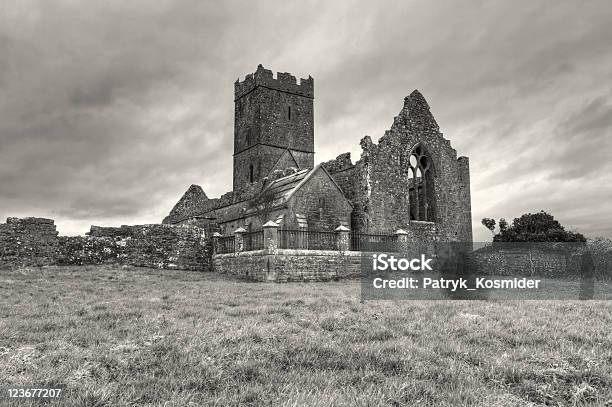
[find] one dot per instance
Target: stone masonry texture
(289, 265)
(28, 242)
(522, 260)
(271, 115)
(35, 242)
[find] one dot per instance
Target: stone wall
(378, 185)
(190, 204)
(35, 242)
(289, 265)
(88, 250)
(521, 260)
(28, 242)
(159, 246)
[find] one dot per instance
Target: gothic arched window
(421, 193)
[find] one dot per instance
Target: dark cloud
(110, 110)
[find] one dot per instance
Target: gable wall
(305, 201)
(377, 184)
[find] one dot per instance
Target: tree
(535, 227)
(489, 224)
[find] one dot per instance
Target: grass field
(127, 336)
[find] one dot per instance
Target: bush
(533, 227)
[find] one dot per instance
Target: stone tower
(271, 116)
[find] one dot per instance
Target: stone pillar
(342, 238)
(402, 241)
(239, 240)
(215, 240)
(270, 236)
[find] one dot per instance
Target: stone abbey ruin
(411, 180)
(285, 218)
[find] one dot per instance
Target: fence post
(342, 238)
(270, 236)
(215, 240)
(239, 240)
(402, 240)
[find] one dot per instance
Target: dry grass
(117, 336)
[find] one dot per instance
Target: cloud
(110, 110)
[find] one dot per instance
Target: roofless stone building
(411, 180)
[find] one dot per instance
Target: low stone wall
(526, 261)
(157, 245)
(88, 250)
(286, 265)
(35, 242)
(28, 242)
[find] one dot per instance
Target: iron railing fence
(307, 239)
(253, 240)
(226, 244)
(368, 242)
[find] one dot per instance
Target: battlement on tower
(284, 82)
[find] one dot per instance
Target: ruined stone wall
(88, 250)
(343, 172)
(28, 242)
(160, 246)
(289, 265)
(191, 203)
(378, 184)
(229, 204)
(35, 242)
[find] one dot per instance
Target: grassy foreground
(127, 336)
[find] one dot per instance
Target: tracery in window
(421, 193)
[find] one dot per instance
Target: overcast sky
(110, 110)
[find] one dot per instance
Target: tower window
(251, 173)
(240, 108)
(249, 139)
(288, 112)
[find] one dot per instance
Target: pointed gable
(286, 160)
(316, 170)
(415, 114)
(192, 202)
